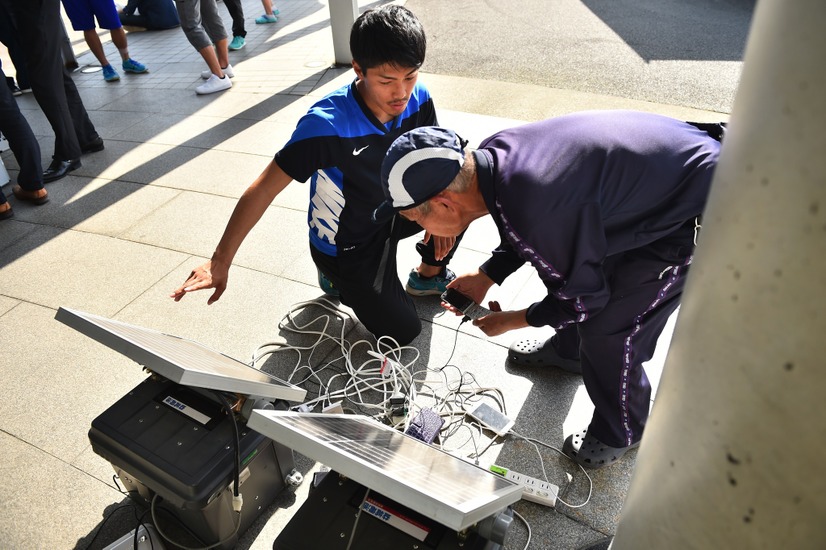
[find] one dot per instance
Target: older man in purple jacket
(606, 206)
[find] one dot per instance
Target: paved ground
(121, 232)
(665, 51)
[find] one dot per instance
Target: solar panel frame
(183, 361)
(436, 484)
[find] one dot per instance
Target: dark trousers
(23, 144)
(39, 26)
(367, 278)
(646, 287)
(236, 11)
(8, 36)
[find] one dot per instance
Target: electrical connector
(533, 489)
(387, 364)
(333, 408)
(237, 502)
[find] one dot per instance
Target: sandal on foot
(590, 452)
(536, 353)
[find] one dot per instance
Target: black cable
(117, 485)
(456, 339)
(148, 534)
(152, 508)
(172, 517)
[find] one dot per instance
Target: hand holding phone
(464, 304)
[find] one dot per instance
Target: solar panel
(183, 361)
(438, 485)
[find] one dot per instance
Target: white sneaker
(227, 71)
(214, 84)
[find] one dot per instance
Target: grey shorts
(201, 22)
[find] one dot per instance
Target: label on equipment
(187, 410)
(391, 517)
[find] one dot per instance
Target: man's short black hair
(390, 35)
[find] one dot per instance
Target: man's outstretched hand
(499, 322)
(210, 275)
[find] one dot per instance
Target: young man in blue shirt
(339, 145)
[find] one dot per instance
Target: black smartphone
(463, 304)
(456, 299)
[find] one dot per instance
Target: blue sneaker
(264, 19)
(132, 66)
(428, 286)
(110, 74)
(326, 285)
(237, 43)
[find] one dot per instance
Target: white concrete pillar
(734, 453)
(343, 13)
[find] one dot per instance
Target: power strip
(534, 490)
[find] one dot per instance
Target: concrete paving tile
(103, 207)
(245, 317)
(128, 161)
(209, 171)
(195, 131)
(481, 236)
(248, 135)
(96, 98)
(34, 116)
(193, 223)
(284, 108)
(53, 268)
(92, 463)
(6, 304)
(224, 173)
(263, 138)
(301, 268)
(62, 375)
(279, 242)
(333, 80)
(110, 123)
(27, 103)
(190, 223)
(473, 128)
(295, 196)
(75, 504)
(551, 530)
(182, 102)
(13, 231)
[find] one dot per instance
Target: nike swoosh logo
(357, 152)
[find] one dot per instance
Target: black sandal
(536, 353)
(590, 452)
